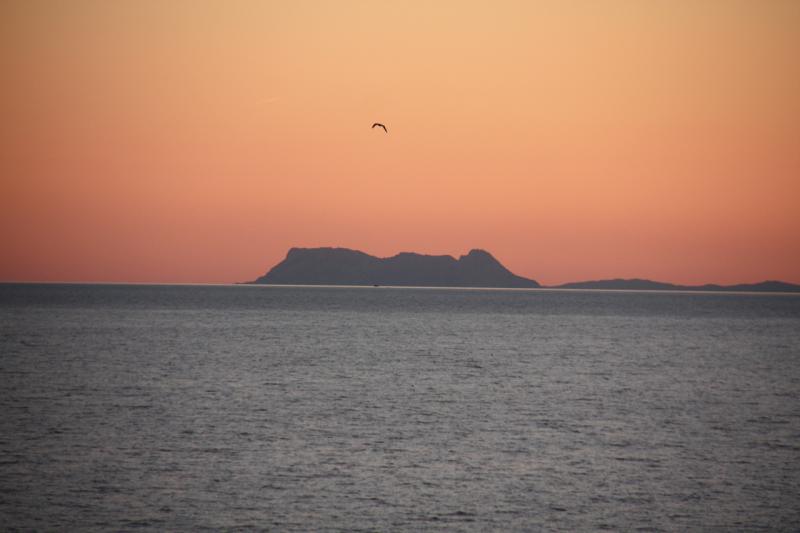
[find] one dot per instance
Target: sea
(256, 408)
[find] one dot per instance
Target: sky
(197, 141)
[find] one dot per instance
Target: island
(478, 268)
(342, 266)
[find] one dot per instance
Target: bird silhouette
(379, 125)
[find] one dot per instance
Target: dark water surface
(305, 409)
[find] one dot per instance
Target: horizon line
(554, 288)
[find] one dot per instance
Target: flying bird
(379, 125)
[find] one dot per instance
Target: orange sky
(190, 141)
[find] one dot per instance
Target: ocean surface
(360, 409)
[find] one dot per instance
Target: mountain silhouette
(342, 266)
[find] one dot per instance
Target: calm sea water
(326, 409)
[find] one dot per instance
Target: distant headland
(342, 266)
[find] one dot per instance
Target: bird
(379, 125)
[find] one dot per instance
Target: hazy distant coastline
(478, 268)
(648, 285)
